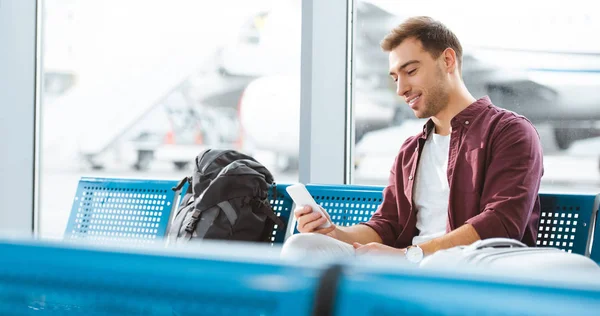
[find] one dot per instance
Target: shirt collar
(464, 118)
(429, 125)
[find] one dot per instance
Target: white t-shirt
(431, 189)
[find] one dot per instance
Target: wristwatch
(414, 253)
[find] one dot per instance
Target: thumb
(356, 245)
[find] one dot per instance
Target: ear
(449, 58)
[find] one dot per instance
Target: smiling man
(472, 173)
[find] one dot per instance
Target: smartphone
(302, 197)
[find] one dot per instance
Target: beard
(437, 97)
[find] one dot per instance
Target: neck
(458, 100)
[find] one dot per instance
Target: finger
(356, 245)
(362, 250)
(302, 211)
(307, 219)
(314, 224)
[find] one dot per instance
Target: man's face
(420, 79)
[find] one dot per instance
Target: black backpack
(227, 199)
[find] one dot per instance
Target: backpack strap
(275, 218)
(188, 195)
(174, 225)
(266, 207)
(229, 212)
(199, 228)
(181, 184)
(188, 192)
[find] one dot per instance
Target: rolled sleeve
(384, 229)
(489, 225)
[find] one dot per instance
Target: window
(527, 60)
(137, 89)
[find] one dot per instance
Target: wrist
(430, 247)
(335, 233)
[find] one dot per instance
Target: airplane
(549, 83)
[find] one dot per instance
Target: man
(473, 172)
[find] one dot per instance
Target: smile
(412, 101)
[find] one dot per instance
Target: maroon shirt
(494, 173)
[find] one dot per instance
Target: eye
(412, 72)
(395, 79)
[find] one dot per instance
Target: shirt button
(410, 177)
(466, 122)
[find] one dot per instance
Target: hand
(377, 249)
(308, 221)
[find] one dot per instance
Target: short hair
(433, 35)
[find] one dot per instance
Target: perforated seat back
(106, 210)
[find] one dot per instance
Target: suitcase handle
(496, 242)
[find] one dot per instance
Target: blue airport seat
(107, 210)
(566, 220)
(367, 288)
(53, 278)
(595, 248)
(69, 278)
(346, 204)
(282, 203)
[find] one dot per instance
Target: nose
(402, 89)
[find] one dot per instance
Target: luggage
(504, 253)
(226, 199)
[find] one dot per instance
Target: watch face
(414, 254)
